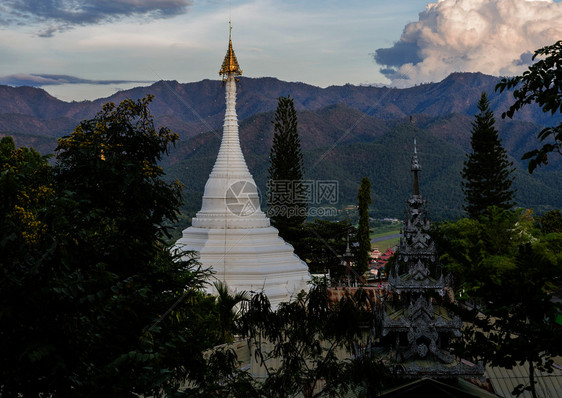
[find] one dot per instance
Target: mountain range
(347, 132)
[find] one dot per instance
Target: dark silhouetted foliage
(286, 193)
(541, 84)
(507, 272)
(363, 230)
(92, 301)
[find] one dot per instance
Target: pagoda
(415, 323)
(231, 234)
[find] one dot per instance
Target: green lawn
(376, 234)
(381, 228)
(384, 230)
(385, 244)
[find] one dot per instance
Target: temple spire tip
(416, 166)
(414, 128)
(230, 63)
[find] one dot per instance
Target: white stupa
(231, 234)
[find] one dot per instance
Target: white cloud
(490, 36)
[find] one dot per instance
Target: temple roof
(230, 63)
(429, 387)
(440, 313)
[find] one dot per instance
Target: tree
(322, 245)
(110, 163)
(25, 187)
(228, 307)
(363, 230)
(25, 192)
(286, 192)
(541, 84)
(506, 269)
(551, 221)
(487, 171)
(92, 301)
(518, 325)
(322, 347)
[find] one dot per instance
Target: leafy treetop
(508, 269)
(542, 84)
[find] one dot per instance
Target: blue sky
(91, 48)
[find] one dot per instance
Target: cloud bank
(60, 15)
(39, 80)
(496, 37)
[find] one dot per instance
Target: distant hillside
(347, 132)
(193, 108)
(379, 150)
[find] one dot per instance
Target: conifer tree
(363, 231)
(487, 172)
(285, 189)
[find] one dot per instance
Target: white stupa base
(253, 259)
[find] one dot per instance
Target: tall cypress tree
(487, 172)
(286, 193)
(363, 230)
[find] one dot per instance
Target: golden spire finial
(230, 63)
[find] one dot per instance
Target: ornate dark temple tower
(414, 322)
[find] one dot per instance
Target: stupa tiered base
(254, 260)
